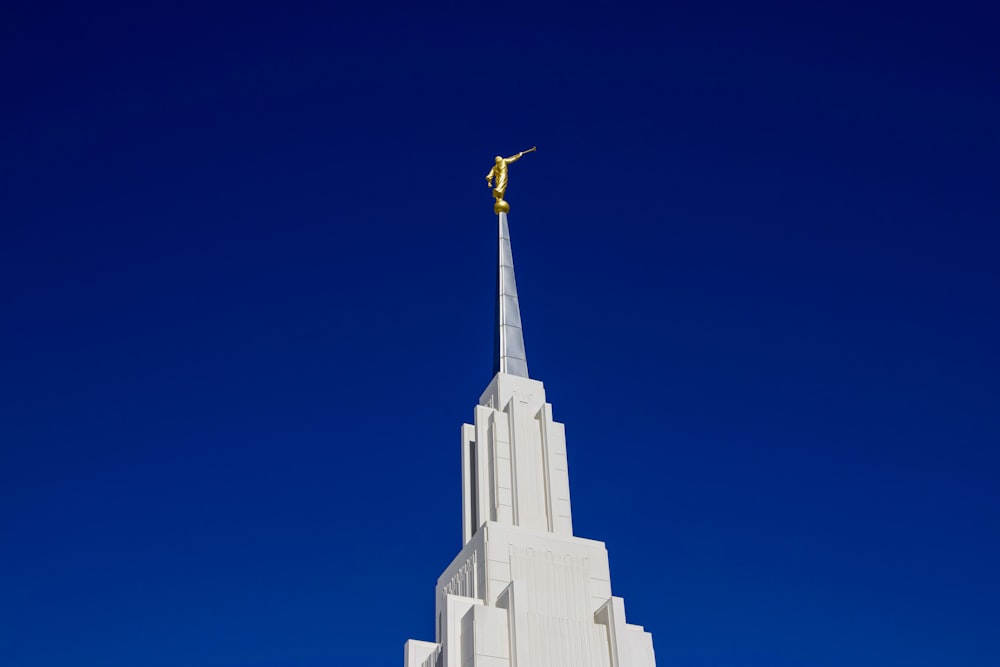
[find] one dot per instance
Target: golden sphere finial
(500, 206)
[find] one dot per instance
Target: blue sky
(247, 275)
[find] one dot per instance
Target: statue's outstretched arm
(515, 158)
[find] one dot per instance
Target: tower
(523, 591)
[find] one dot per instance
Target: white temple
(524, 591)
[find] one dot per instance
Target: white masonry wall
(514, 461)
(524, 592)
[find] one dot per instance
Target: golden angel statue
(499, 173)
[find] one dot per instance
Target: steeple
(509, 355)
(524, 591)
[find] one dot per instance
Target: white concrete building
(524, 591)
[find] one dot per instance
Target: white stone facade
(524, 592)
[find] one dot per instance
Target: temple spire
(524, 591)
(509, 355)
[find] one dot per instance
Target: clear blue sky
(246, 279)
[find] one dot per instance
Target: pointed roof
(509, 355)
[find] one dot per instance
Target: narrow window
(474, 486)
